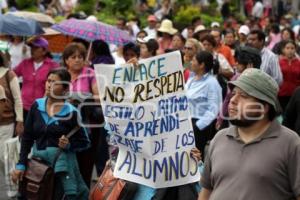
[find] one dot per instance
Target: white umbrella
(42, 18)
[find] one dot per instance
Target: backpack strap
(8, 79)
(58, 153)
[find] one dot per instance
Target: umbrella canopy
(13, 25)
(92, 30)
(45, 20)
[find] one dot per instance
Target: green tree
(25, 4)
(87, 6)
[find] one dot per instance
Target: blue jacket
(45, 131)
(66, 166)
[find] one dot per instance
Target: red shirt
(186, 74)
(291, 75)
(226, 52)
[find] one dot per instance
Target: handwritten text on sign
(147, 111)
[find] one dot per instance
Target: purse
(38, 179)
(109, 187)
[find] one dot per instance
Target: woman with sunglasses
(190, 49)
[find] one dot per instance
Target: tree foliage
(25, 4)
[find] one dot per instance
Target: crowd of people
(229, 71)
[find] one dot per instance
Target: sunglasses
(188, 48)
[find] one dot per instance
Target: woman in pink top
(83, 81)
(167, 31)
(82, 77)
(34, 71)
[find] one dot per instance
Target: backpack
(110, 188)
(7, 110)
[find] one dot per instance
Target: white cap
(244, 29)
(199, 28)
(145, 39)
(215, 24)
(92, 18)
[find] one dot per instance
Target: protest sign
(146, 109)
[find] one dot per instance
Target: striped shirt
(270, 65)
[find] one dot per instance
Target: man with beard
(256, 158)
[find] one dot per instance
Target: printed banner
(147, 111)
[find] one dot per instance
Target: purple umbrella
(91, 30)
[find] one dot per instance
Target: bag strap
(8, 84)
(58, 153)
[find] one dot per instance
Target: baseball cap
(151, 18)
(215, 24)
(38, 42)
(244, 29)
(260, 85)
(145, 39)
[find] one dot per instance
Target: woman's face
(190, 33)
(54, 87)
(229, 39)
(177, 43)
(144, 53)
(286, 35)
(17, 39)
(195, 67)
(141, 35)
(289, 50)
(208, 46)
(75, 61)
(129, 54)
(189, 49)
(37, 53)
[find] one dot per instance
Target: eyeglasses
(188, 48)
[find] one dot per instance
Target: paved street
(2, 189)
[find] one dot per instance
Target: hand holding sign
(147, 111)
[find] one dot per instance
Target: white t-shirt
(17, 53)
(152, 33)
(118, 59)
(37, 65)
(258, 10)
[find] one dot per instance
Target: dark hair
(82, 41)
(123, 20)
(3, 60)
(100, 48)
(291, 32)
(275, 28)
(206, 58)
(63, 74)
(79, 15)
(195, 19)
(219, 31)
(152, 46)
(180, 36)
(142, 31)
(261, 36)
(272, 114)
(209, 38)
(285, 42)
(248, 55)
(229, 31)
(71, 49)
(133, 47)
